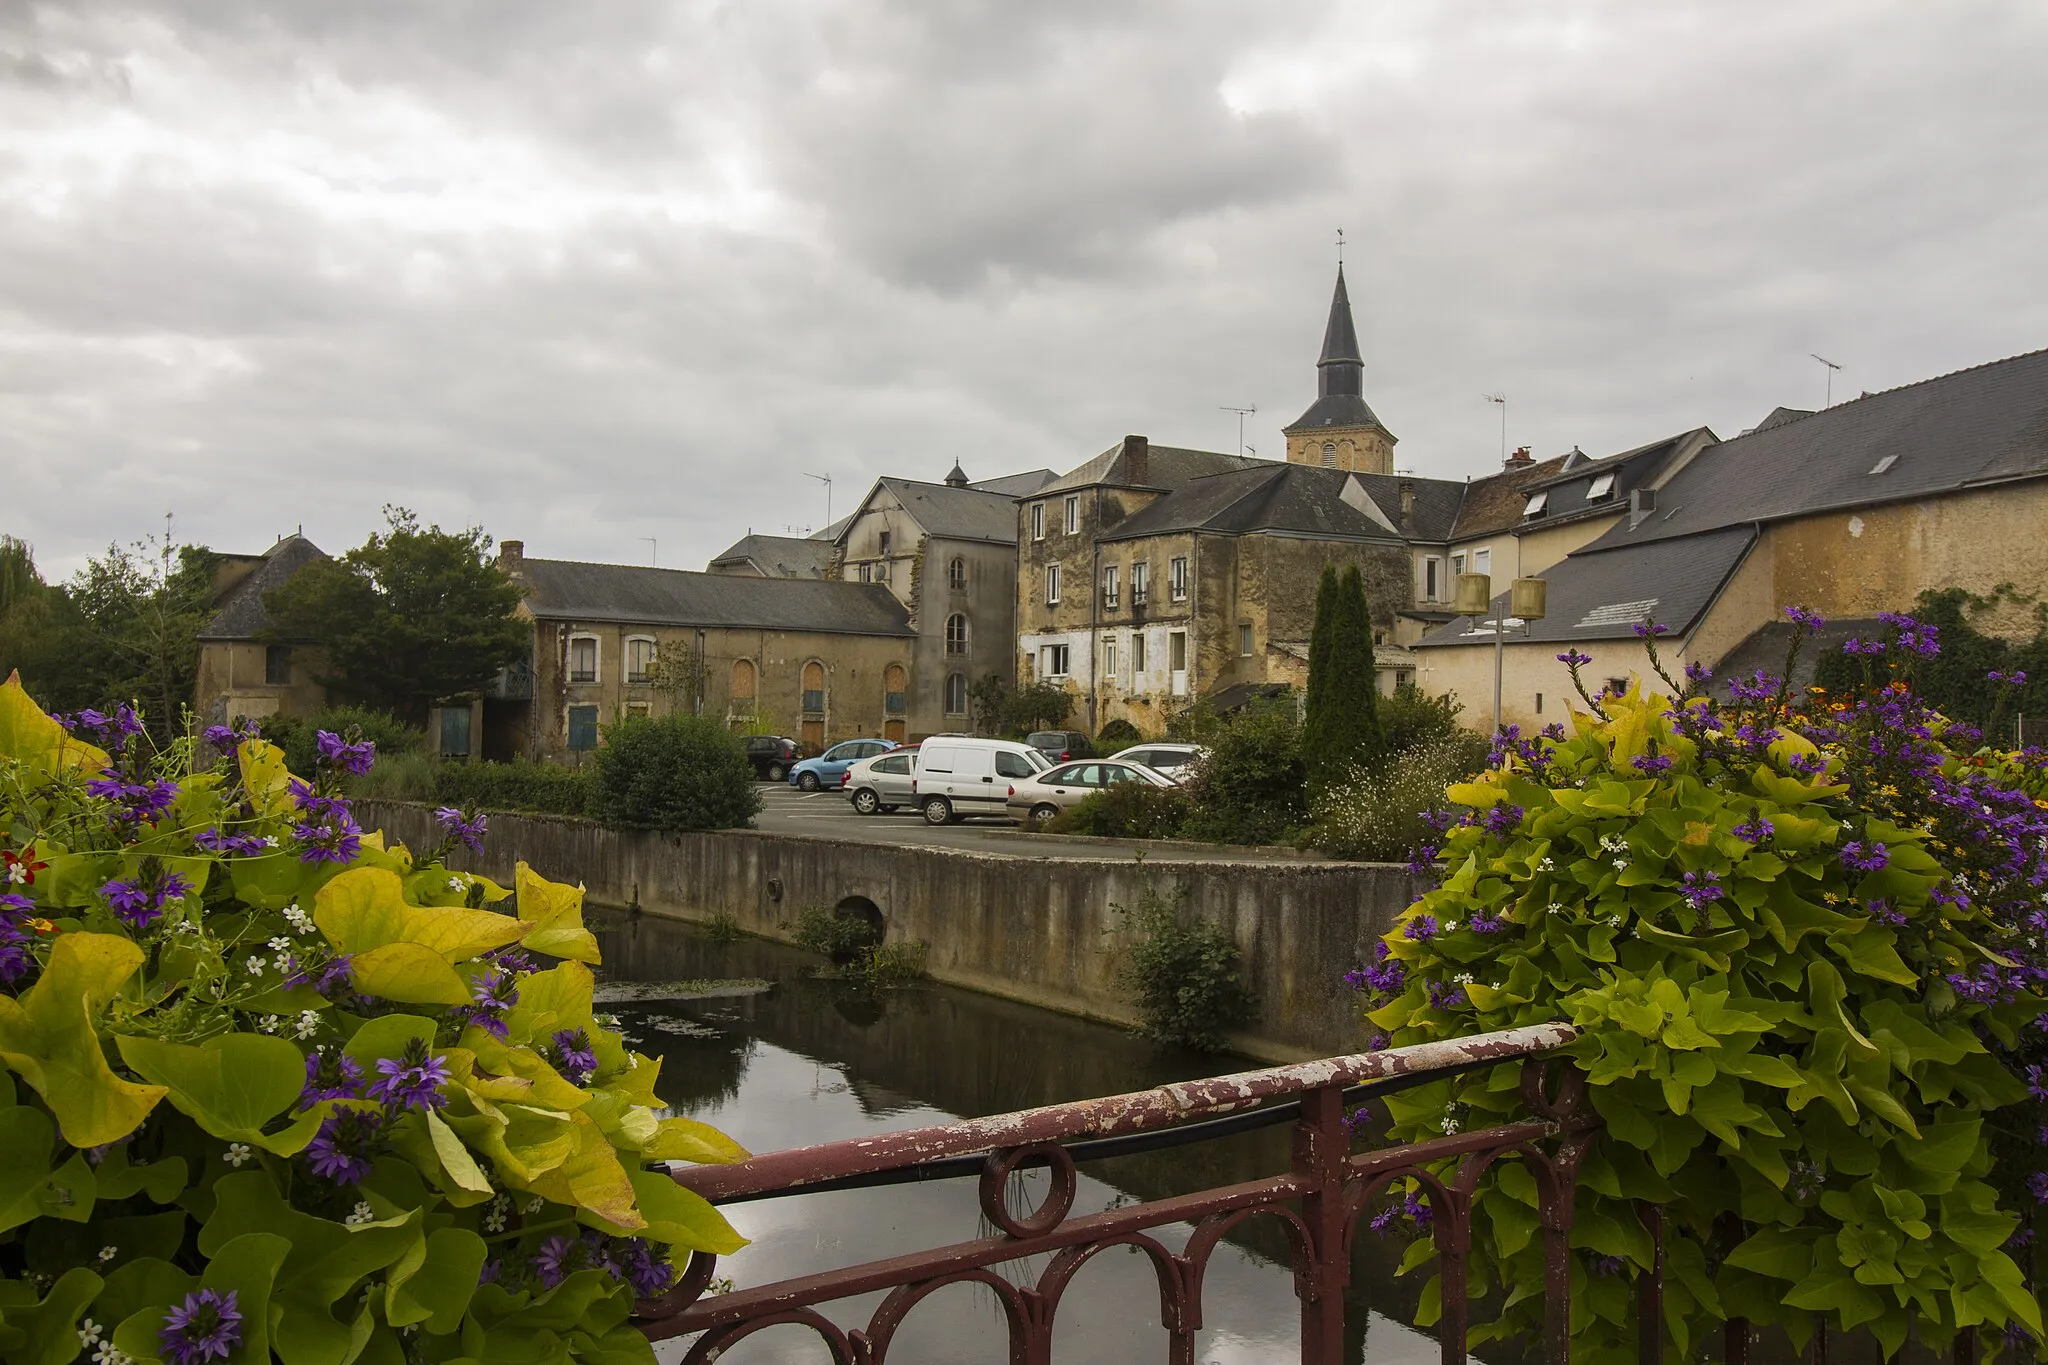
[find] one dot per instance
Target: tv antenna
(1501, 399)
(825, 479)
(1242, 413)
(650, 549)
(1832, 367)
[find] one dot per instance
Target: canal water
(806, 1060)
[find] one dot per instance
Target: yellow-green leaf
(33, 737)
(409, 973)
(365, 908)
(455, 1157)
(682, 1139)
(556, 913)
(231, 1086)
(47, 1037)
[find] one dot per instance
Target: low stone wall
(1036, 929)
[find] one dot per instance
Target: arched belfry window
(1329, 454)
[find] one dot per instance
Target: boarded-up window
(743, 680)
(582, 727)
(455, 732)
(814, 688)
(895, 690)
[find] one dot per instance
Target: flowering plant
(271, 1087)
(1800, 935)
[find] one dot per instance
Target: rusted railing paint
(1319, 1202)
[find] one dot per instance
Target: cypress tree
(1354, 731)
(1316, 708)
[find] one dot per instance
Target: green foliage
(1181, 973)
(1252, 788)
(1953, 682)
(1411, 717)
(1789, 1040)
(988, 703)
(167, 988)
(1117, 734)
(1127, 810)
(545, 788)
(1379, 813)
(856, 949)
(295, 735)
(673, 773)
(407, 618)
(1340, 723)
(1041, 705)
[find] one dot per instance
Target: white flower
(534, 1205)
(108, 1253)
(280, 945)
(1556, 906)
(255, 966)
(1546, 865)
(1463, 978)
(108, 1354)
(455, 883)
(285, 963)
(1613, 843)
(1450, 1125)
(239, 1154)
(308, 1025)
(298, 919)
(17, 874)
(361, 1213)
(1621, 864)
(494, 1221)
(270, 841)
(270, 1023)
(1615, 921)
(89, 1333)
(1450, 926)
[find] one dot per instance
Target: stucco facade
(247, 678)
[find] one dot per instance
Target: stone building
(948, 552)
(817, 659)
(1851, 510)
(241, 673)
(775, 557)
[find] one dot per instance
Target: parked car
(1035, 800)
(1174, 760)
(956, 778)
(771, 755)
(1058, 746)
(883, 783)
(829, 768)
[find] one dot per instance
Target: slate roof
(1494, 503)
(950, 513)
(561, 589)
(1765, 649)
(780, 556)
(1165, 467)
(1605, 595)
(1964, 430)
(1780, 416)
(1436, 502)
(242, 615)
(1632, 469)
(1016, 485)
(1293, 499)
(1340, 373)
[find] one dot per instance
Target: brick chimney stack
(1520, 459)
(1137, 459)
(511, 554)
(1407, 502)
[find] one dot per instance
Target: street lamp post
(1524, 603)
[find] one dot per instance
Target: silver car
(1036, 800)
(882, 783)
(1174, 760)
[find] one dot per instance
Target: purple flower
(1700, 889)
(463, 829)
(1571, 658)
(492, 1269)
(1652, 764)
(207, 1326)
(1807, 765)
(1503, 820)
(515, 960)
(2016, 678)
(492, 993)
(236, 845)
(345, 1146)
(1649, 630)
(646, 1268)
(335, 752)
(337, 840)
(1446, 995)
(1865, 857)
(557, 1257)
(140, 903)
(411, 1081)
(1757, 831)
(573, 1055)
(1805, 618)
(333, 977)
(1605, 1266)
(1486, 922)
(330, 1075)
(1881, 910)
(1698, 674)
(1384, 975)
(2037, 1185)
(1422, 928)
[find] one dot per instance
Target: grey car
(1175, 760)
(882, 783)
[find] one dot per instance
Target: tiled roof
(1494, 503)
(958, 513)
(1165, 467)
(566, 590)
(780, 556)
(1295, 499)
(1605, 595)
(242, 615)
(1963, 430)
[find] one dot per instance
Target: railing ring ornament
(1005, 1162)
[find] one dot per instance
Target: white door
(1177, 661)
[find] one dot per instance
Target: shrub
(1252, 787)
(258, 1065)
(1382, 811)
(1118, 734)
(830, 934)
(297, 735)
(1181, 973)
(1412, 717)
(548, 788)
(1127, 810)
(673, 773)
(1797, 933)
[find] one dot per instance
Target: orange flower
(42, 926)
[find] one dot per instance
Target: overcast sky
(593, 274)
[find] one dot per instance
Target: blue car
(828, 769)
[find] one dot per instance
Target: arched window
(956, 694)
(1329, 454)
(956, 634)
(956, 573)
(743, 680)
(814, 688)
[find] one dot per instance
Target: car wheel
(938, 811)
(866, 802)
(776, 772)
(1043, 815)
(807, 782)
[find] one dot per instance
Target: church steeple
(1339, 430)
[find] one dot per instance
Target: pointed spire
(1341, 368)
(958, 477)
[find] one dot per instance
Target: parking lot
(828, 815)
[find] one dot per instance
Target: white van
(958, 777)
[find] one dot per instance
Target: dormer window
(1601, 487)
(1536, 503)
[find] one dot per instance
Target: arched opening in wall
(745, 690)
(956, 573)
(864, 913)
(956, 633)
(1329, 454)
(813, 724)
(895, 702)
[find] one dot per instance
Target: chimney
(1641, 502)
(1137, 457)
(511, 554)
(1407, 501)
(1520, 458)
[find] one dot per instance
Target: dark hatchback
(1061, 745)
(771, 756)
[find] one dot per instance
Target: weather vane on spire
(1340, 248)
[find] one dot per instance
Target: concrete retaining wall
(1037, 929)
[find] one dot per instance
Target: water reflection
(813, 1061)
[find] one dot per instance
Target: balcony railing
(1319, 1201)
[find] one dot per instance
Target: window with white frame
(1052, 660)
(1482, 561)
(956, 634)
(1038, 521)
(583, 658)
(956, 694)
(1109, 656)
(639, 658)
(1109, 585)
(1073, 515)
(1140, 571)
(956, 573)
(1329, 454)
(867, 573)
(1244, 641)
(1457, 563)
(1137, 657)
(1052, 585)
(1432, 578)
(1177, 578)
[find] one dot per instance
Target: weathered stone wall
(1039, 930)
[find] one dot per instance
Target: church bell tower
(1339, 431)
